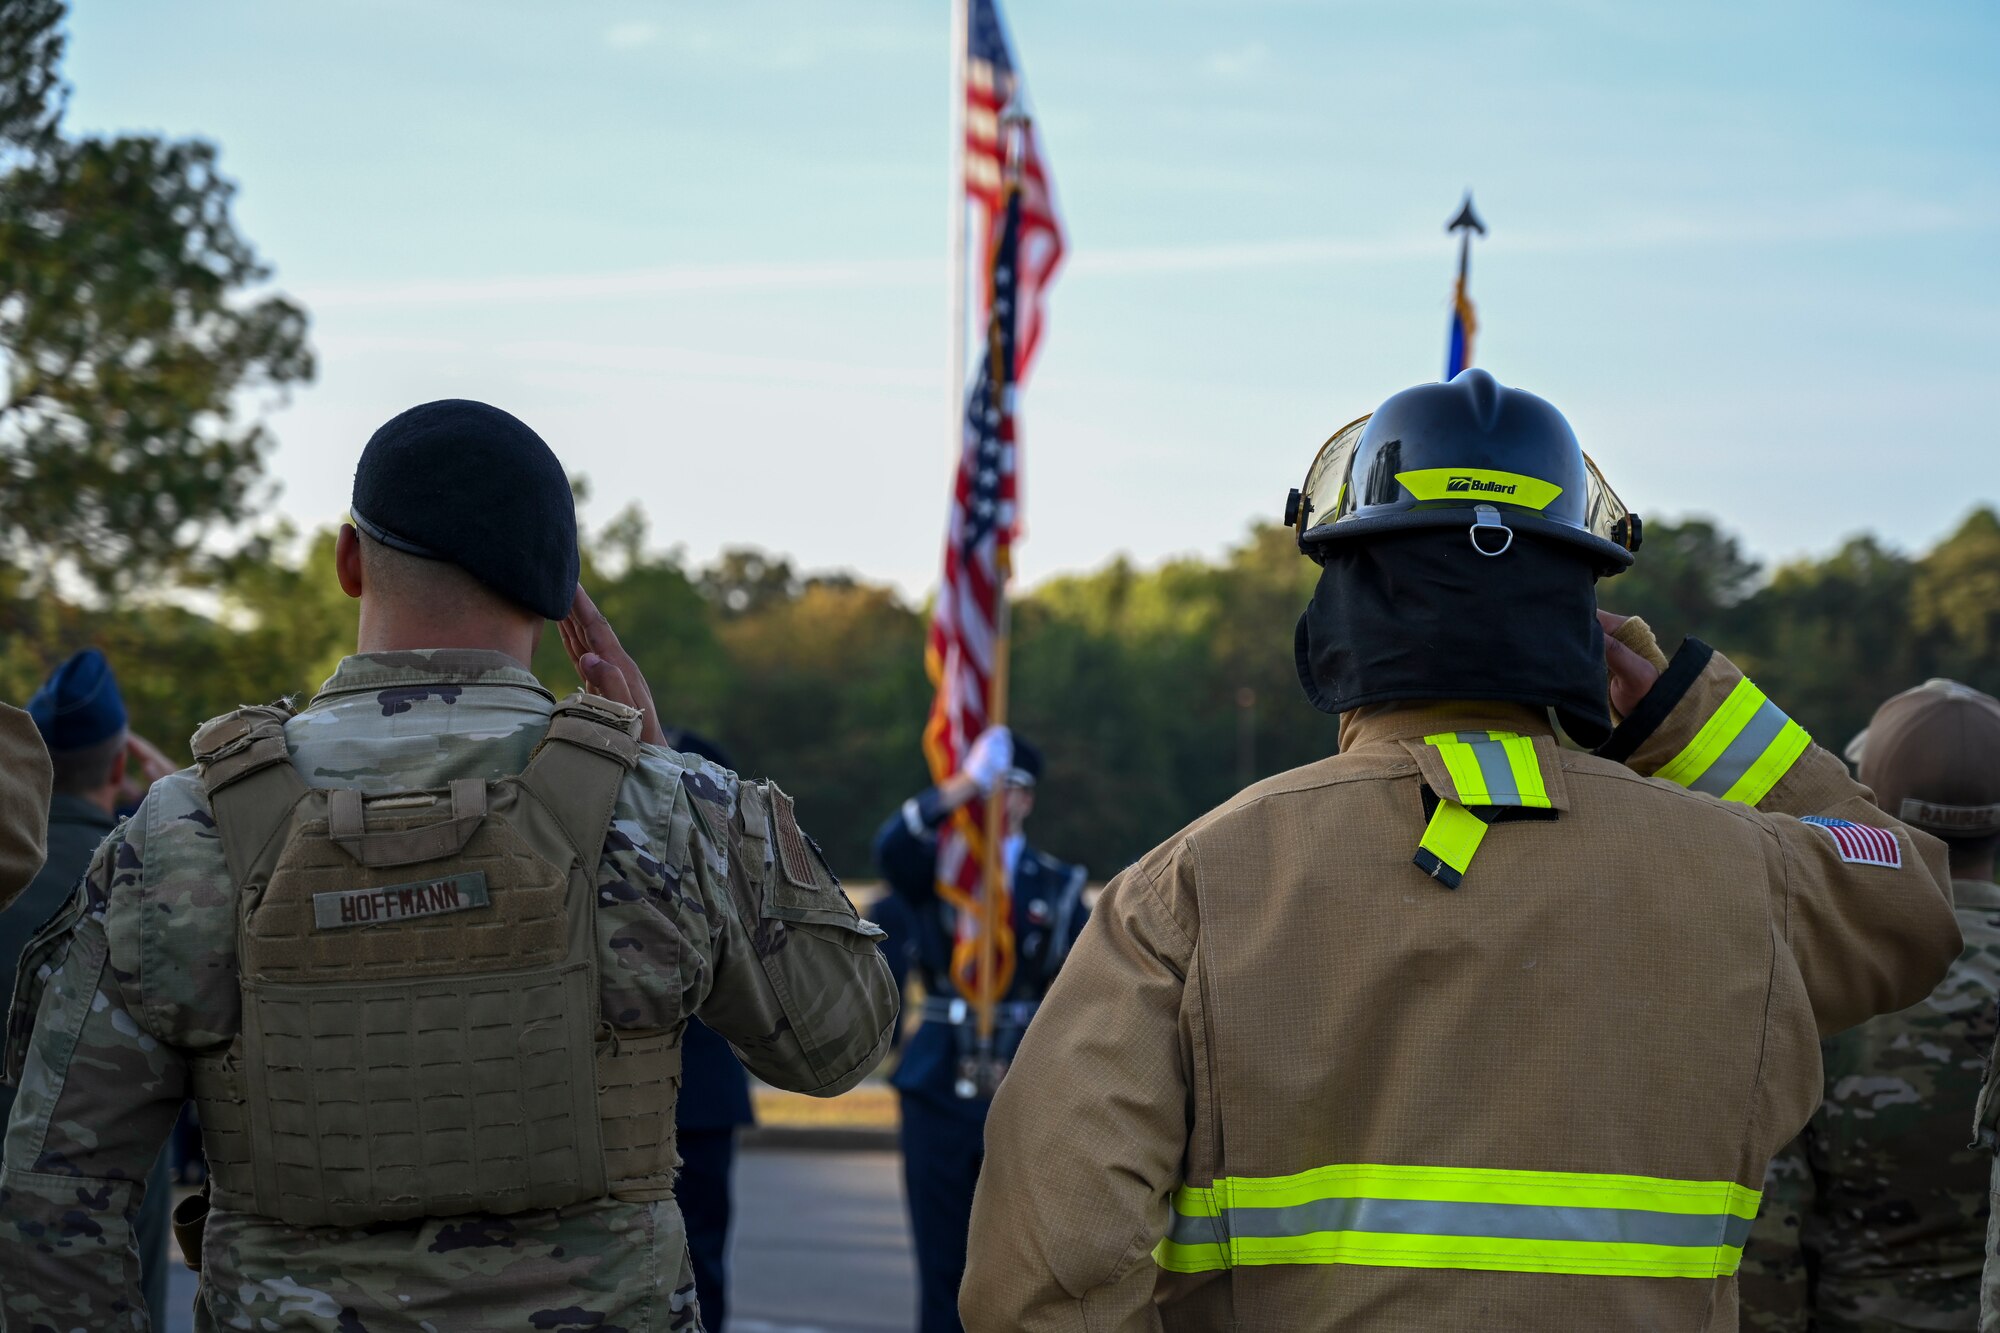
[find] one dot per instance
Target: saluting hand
(605, 667)
(1632, 676)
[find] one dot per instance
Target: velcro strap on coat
(347, 827)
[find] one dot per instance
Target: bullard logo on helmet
(1475, 484)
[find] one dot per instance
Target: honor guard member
(81, 717)
(1875, 1216)
(1457, 1029)
(942, 1098)
(423, 953)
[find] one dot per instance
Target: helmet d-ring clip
(1488, 518)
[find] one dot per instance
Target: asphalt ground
(821, 1246)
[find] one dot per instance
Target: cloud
(1857, 218)
(629, 36)
(1237, 63)
(697, 364)
(629, 282)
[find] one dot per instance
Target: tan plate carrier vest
(421, 1031)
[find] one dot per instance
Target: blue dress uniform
(942, 1133)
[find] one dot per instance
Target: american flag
(1861, 844)
(992, 81)
(965, 625)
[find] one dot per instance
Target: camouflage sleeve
(97, 1096)
(1866, 901)
(1986, 1138)
(1774, 1285)
(799, 987)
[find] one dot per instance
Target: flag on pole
(1463, 325)
(993, 83)
(1458, 355)
(965, 624)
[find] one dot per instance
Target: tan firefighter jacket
(1292, 1080)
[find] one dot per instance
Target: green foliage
(31, 89)
(128, 342)
(1156, 694)
(1830, 639)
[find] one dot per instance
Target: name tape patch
(399, 902)
(1861, 844)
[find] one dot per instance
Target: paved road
(821, 1247)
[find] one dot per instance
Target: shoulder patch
(1861, 844)
(798, 855)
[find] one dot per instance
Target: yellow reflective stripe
(1462, 1217)
(1471, 485)
(1722, 727)
(1175, 1257)
(1774, 763)
(1742, 751)
(1469, 1184)
(1463, 764)
(1520, 752)
(1483, 1253)
(1195, 1201)
(1492, 768)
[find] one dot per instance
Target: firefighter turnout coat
(1455, 1030)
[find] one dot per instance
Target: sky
(1752, 251)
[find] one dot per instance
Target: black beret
(465, 482)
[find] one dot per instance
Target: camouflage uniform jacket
(1875, 1216)
(140, 972)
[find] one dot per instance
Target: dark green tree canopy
(129, 338)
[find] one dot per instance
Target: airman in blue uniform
(944, 1114)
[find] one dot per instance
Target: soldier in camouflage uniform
(1875, 1217)
(144, 989)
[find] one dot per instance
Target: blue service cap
(79, 704)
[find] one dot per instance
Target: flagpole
(955, 265)
(993, 876)
(1013, 139)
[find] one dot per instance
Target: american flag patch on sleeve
(1861, 844)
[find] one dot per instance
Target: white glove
(990, 758)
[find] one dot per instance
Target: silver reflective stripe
(1748, 747)
(1491, 755)
(1415, 1217)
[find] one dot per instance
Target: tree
(1689, 577)
(128, 340)
(1955, 601)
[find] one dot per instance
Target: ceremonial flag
(967, 623)
(1458, 355)
(993, 84)
(1463, 325)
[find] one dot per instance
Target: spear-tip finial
(1466, 219)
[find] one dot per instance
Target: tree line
(143, 352)
(1155, 693)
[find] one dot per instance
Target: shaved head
(406, 580)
